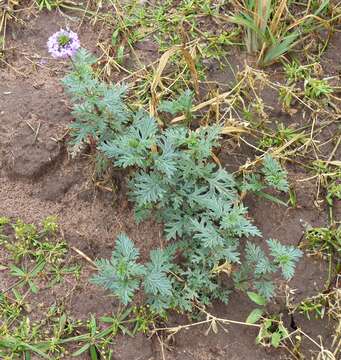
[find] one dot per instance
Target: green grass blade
(81, 350)
(321, 7)
(93, 352)
(248, 23)
(276, 50)
(271, 198)
(12, 343)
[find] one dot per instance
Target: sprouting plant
(325, 240)
(294, 72)
(32, 243)
(271, 174)
(286, 95)
(183, 104)
(281, 136)
(37, 255)
(25, 232)
(256, 313)
(127, 29)
(333, 193)
(42, 263)
(121, 274)
(320, 167)
(316, 306)
(50, 225)
(25, 235)
(26, 276)
(93, 340)
(4, 221)
(261, 267)
(315, 88)
(326, 303)
(272, 332)
(46, 4)
(144, 318)
(98, 108)
(274, 175)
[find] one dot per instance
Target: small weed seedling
(313, 306)
(27, 276)
(182, 106)
(315, 88)
(326, 242)
(295, 72)
(46, 4)
(279, 138)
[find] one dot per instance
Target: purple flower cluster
(63, 44)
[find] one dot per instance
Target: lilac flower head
(63, 44)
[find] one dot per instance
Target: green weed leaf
(254, 316)
(256, 298)
(276, 339)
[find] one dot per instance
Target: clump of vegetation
(325, 242)
(175, 179)
(267, 31)
(315, 88)
(38, 261)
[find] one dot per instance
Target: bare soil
(38, 178)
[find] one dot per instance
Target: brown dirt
(37, 179)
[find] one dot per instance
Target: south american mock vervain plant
(63, 44)
(175, 180)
